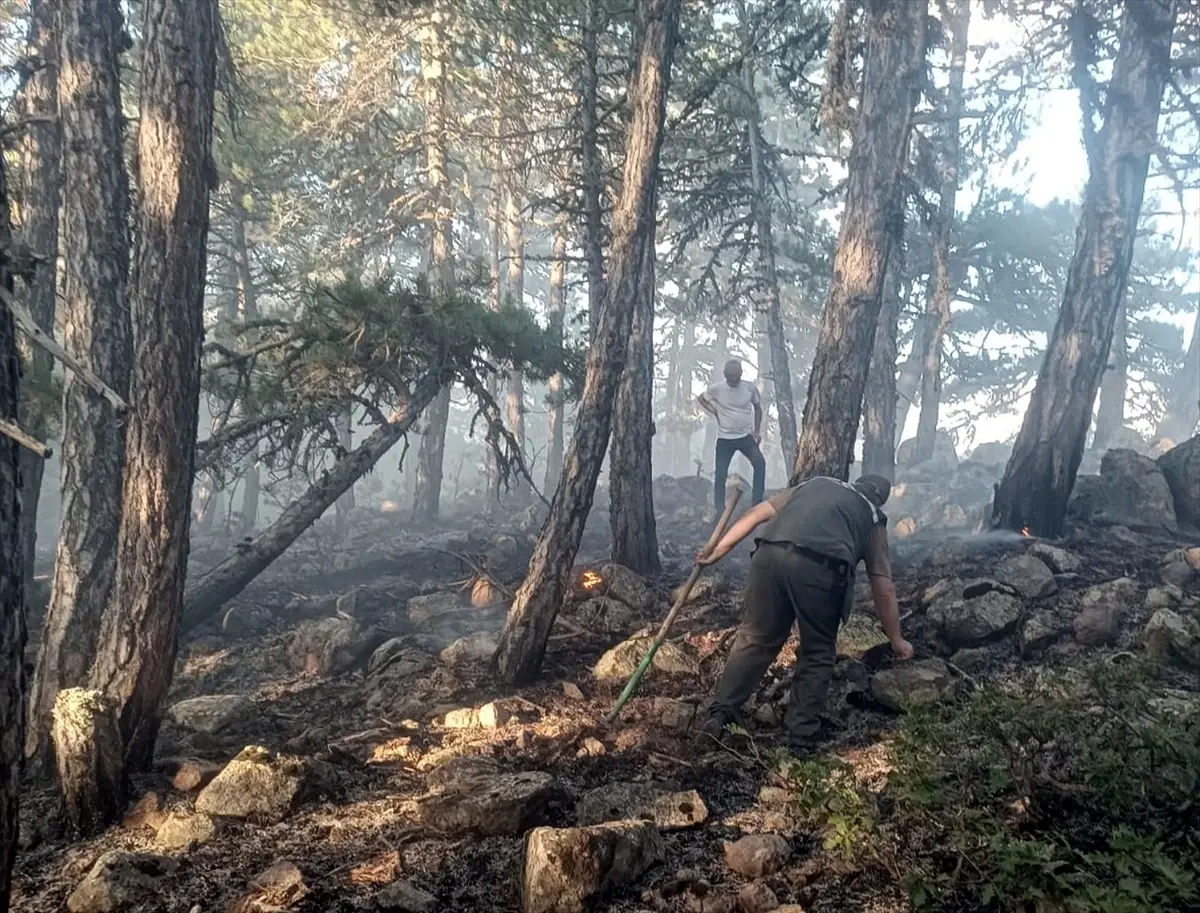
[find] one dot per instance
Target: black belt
(840, 566)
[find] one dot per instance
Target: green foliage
(1073, 793)
(826, 796)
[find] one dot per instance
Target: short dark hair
(877, 489)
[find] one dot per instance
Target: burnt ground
(361, 832)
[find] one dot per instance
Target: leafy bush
(1068, 792)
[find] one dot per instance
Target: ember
(1025, 531)
(591, 580)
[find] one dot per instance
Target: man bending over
(802, 572)
(737, 407)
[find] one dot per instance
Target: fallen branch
(472, 565)
(26, 440)
(27, 325)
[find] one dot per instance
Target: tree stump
(87, 749)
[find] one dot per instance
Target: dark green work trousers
(786, 588)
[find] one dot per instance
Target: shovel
(684, 592)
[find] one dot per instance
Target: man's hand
(902, 648)
(757, 435)
(704, 559)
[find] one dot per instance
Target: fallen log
(234, 574)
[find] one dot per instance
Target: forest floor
(382, 739)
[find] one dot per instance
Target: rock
(501, 805)
(328, 646)
(496, 714)
(433, 605)
(485, 593)
(616, 582)
(1037, 634)
(641, 801)
(1181, 567)
(193, 775)
(606, 616)
(567, 870)
(971, 659)
(946, 588)
(182, 832)
(591, 747)
(706, 589)
(973, 622)
(275, 888)
(673, 714)
(120, 881)
(700, 898)
(920, 683)
(460, 773)
(462, 718)
(1028, 575)
(400, 895)
(474, 648)
(981, 585)
(210, 713)
(502, 550)
(757, 897)
(1059, 560)
(1130, 491)
(1174, 638)
(147, 812)
(993, 454)
(1167, 596)
(1101, 609)
(944, 453)
(572, 691)
(1181, 469)
(398, 659)
(256, 784)
(757, 855)
(620, 662)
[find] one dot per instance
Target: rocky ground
(335, 741)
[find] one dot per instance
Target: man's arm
(760, 513)
(883, 591)
(706, 405)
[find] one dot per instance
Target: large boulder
(1131, 490)
(619, 663)
(615, 581)
(1101, 610)
(976, 620)
(1181, 469)
(993, 454)
(641, 802)
(944, 453)
(757, 855)
(329, 646)
(501, 805)
(915, 684)
(257, 784)
(209, 713)
(121, 881)
(567, 870)
(1172, 637)
(1181, 567)
(1028, 575)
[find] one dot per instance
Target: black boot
(718, 719)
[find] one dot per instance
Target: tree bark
(95, 251)
(41, 167)
(523, 642)
(592, 176)
(247, 295)
(1041, 471)
(556, 396)
(908, 385)
(891, 86)
(87, 750)
(681, 448)
(514, 399)
(777, 369)
(720, 356)
(345, 503)
(139, 632)
(630, 460)
(12, 580)
(1110, 415)
(941, 286)
(1183, 405)
(427, 493)
(206, 597)
(880, 407)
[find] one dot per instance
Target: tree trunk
(630, 464)
(41, 167)
(345, 503)
(1183, 405)
(1041, 471)
(556, 396)
(495, 287)
(95, 251)
(941, 286)
(140, 631)
(514, 400)
(12, 580)
(523, 643)
(1110, 416)
(777, 368)
(720, 356)
(592, 176)
(247, 295)
(427, 493)
(681, 448)
(206, 597)
(879, 407)
(908, 384)
(892, 80)
(87, 749)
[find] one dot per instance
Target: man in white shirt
(737, 407)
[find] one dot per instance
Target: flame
(591, 580)
(1025, 531)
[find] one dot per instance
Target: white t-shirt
(735, 408)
